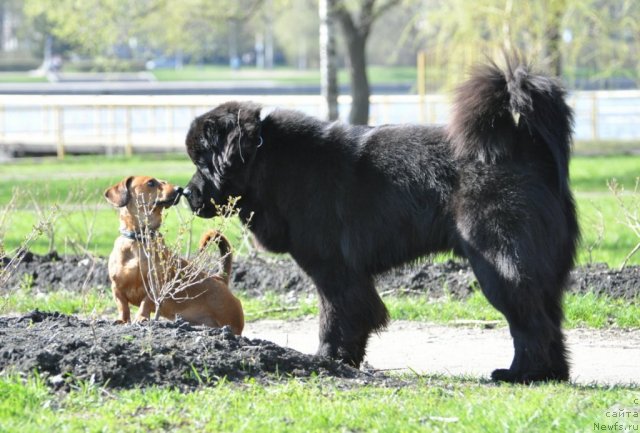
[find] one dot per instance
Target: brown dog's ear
(118, 195)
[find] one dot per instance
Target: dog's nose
(179, 190)
(186, 192)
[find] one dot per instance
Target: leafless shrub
(10, 259)
(599, 223)
(165, 273)
(630, 210)
(85, 207)
(74, 226)
(46, 220)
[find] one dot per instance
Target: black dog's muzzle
(179, 193)
(188, 194)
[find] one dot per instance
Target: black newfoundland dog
(350, 202)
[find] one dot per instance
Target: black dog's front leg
(350, 310)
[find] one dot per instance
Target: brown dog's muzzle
(171, 199)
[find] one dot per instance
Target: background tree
(585, 41)
(603, 41)
(328, 59)
(102, 29)
(96, 27)
(356, 19)
(296, 29)
(569, 38)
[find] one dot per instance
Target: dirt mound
(601, 279)
(258, 274)
(65, 348)
(54, 272)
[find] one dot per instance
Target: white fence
(115, 124)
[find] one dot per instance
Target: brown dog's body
(208, 301)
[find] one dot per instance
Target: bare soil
(258, 274)
(67, 348)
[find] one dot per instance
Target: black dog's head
(222, 144)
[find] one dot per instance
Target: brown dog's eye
(151, 183)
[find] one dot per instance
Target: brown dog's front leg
(144, 312)
(124, 314)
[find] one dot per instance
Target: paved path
(597, 356)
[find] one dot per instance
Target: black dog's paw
(507, 375)
(341, 354)
(504, 375)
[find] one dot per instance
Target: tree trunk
(47, 54)
(554, 39)
(268, 36)
(2, 13)
(554, 54)
(356, 30)
(356, 45)
(234, 53)
(328, 61)
(259, 50)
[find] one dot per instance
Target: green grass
(20, 77)
(604, 230)
(224, 73)
(279, 75)
(92, 302)
(85, 219)
(78, 184)
(600, 311)
(424, 404)
(428, 403)
(85, 177)
(95, 229)
(605, 147)
(589, 174)
(590, 310)
(377, 74)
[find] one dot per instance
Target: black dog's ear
(209, 131)
(252, 111)
(118, 195)
(247, 126)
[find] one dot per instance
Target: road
(604, 357)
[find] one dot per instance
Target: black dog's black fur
(349, 202)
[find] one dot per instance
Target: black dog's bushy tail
(225, 251)
(494, 108)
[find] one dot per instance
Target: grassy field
(84, 218)
(280, 75)
(593, 311)
(20, 77)
(377, 75)
(412, 403)
(433, 404)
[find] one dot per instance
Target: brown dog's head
(142, 199)
(222, 144)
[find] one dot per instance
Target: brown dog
(206, 301)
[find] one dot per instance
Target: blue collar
(138, 236)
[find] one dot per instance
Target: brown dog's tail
(225, 250)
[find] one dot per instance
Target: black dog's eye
(151, 183)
